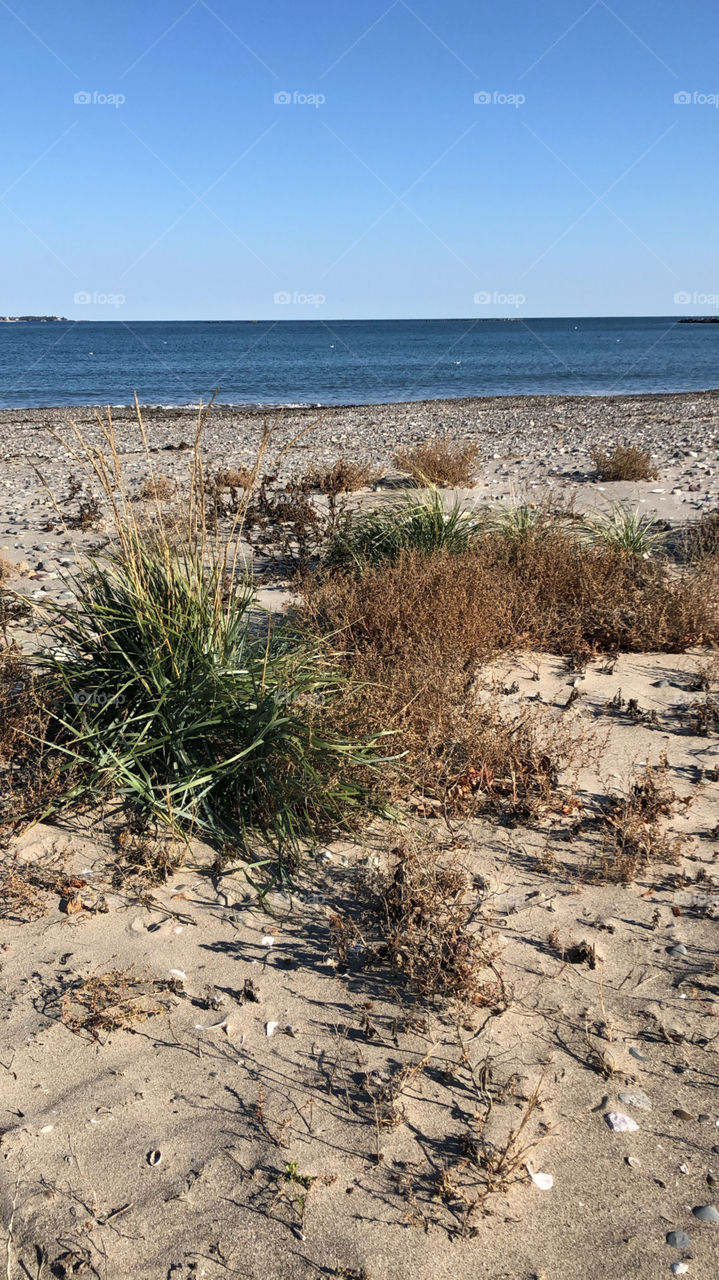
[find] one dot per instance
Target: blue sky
(390, 192)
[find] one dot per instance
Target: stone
(636, 1098)
(679, 1240)
(678, 949)
(706, 1213)
(619, 1123)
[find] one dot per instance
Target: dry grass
(157, 489)
(145, 858)
(422, 918)
(550, 592)
(439, 462)
(432, 936)
(342, 476)
(114, 1001)
(625, 462)
(20, 899)
(633, 837)
(414, 634)
(701, 537)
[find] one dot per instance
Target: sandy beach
(275, 1106)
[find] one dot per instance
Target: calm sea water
(349, 361)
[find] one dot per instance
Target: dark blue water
(349, 361)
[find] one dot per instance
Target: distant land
(43, 319)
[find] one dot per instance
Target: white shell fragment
(212, 1026)
(178, 973)
(544, 1181)
(619, 1123)
(267, 941)
(271, 1027)
(47, 1128)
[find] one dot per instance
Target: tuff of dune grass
(439, 462)
(625, 531)
(625, 462)
(416, 524)
(163, 690)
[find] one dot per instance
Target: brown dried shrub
(553, 593)
(343, 476)
(20, 900)
(114, 1001)
(157, 489)
(429, 913)
(439, 462)
(633, 837)
(29, 773)
(422, 917)
(625, 462)
(701, 537)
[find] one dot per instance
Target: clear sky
(382, 188)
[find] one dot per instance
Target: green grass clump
(165, 690)
(383, 534)
(626, 532)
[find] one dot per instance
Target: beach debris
(679, 1240)
(250, 992)
(681, 1114)
(705, 1213)
(210, 1026)
(636, 1098)
(270, 1028)
(178, 973)
(679, 1268)
(619, 1123)
(637, 1053)
(544, 1181)
(267, 940)
(678, 949)
(632, 1162)
(154, 1157)
(47, 1128)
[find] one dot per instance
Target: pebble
(679, 1240)
(706, 1213)
(636, 1099)
(619, 1123)
(637, 1053)
(678, 949)
(679, 1268)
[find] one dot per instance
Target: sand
(271, 1161)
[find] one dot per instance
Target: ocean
(326, 362)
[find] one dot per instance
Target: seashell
(154, 1157)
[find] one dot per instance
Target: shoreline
(258, 407)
